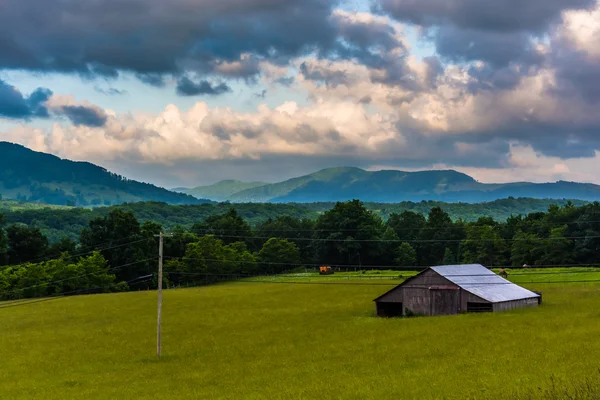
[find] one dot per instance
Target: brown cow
(503, 273)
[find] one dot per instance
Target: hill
(39, 177)
(259, 340)
(390, 186)
(220, 191)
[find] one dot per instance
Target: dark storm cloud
(15, 105)
(152, 79)
(157, 37)
(484, 15)
(82, 115)
(285, 80)
(498, 32)
(373, 43)
(434, 70)
(577, 73)
(187, 87)
(487, 78)
(498, 49)
(110, 91)
(331, 78)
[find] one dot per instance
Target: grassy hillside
(340, 184)
(276, 341)
(220, 191)
(39, 177)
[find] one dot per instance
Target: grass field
(284, 341)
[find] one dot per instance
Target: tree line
(115, 250)
(68, 222)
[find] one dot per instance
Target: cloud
(501, 33)
(483, 15)
(330, 77)
(151, 39)
(79, 114)
(14, 105)
(362, 98)
(110, 91)
(152, 79)
(186, 87)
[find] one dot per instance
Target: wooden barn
(452, 289)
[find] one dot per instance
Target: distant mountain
(390, 186)
(39, 177)
(220, 191)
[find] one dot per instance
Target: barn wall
(428, 278)
(511, 305)
(416, 296)
(445, 301)
(395, 295)
(417, 300)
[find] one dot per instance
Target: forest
(58, 222)
(116, 252)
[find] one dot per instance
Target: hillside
(220, 191)
(39, 177)
(390, 186)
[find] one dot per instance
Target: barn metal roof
(484, 283)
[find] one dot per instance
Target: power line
(25, 302)
(362, 266)
(261, 279)
(350, 239)
(384, 227)
(53, 258)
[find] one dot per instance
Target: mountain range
(39, 177)
(220, 191)
(389, 186)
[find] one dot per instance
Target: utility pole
(160, 276)
(160, 285)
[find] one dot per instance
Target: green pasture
(265, 340)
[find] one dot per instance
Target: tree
(448, 257)
(406, 255)
(210, 255)
(407, 225)
(229, 227)
(557, 249)
(120, 235)
(346, 230)
(525, 249)
(3, 241)
(278, 255)
(286, 226)
(436, 235)
(64, 245)
(484, 245)
(389, 244)
(25, 244)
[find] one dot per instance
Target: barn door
(444, 301)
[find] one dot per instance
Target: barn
(452, 289)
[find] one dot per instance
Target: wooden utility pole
(160, 276)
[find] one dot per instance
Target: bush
(121, 287)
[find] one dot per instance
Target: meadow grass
(264, 340)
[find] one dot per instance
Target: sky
(189, 92)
